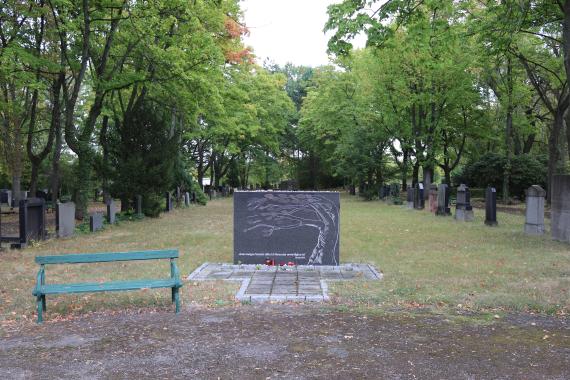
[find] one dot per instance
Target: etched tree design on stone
(275, 212)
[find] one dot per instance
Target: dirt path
(287, 341)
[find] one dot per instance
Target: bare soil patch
(287, 341)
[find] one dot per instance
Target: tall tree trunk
(415, 173)
(508, 131)
(554, 149)
(55, 161)
(405, 161)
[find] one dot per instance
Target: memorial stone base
(303, 283)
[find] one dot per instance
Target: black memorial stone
(32, 220)
(443, 200)
(300, 227)
(491, 206)
(419, 201)
(168, 199)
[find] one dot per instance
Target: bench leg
(176, 295)
(44, 303)
(40, 305)
(173, 291)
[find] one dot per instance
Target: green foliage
(489, 170)
(144, 154)
(153, 205)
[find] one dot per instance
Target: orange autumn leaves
(234, 51)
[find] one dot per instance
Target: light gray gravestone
(443, 200)
(65, 219)
(111, 212)
(534, 224)
(560, 206)
(463, 209)
(187, 199)
(95, 222)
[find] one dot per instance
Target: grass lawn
(427, 261)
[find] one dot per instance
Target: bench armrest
(40, 280)
(174, 272)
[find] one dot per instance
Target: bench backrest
(78, 258)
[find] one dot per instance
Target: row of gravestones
(7, 197)
(32, 218)
(439, 196)
(186, 197)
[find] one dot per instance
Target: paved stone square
(261, 283)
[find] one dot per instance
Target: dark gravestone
(41, 194)
(419, 202)
(491, 206)
(95, 222)
(300, 227)
(138, 205)
(168, 199)
(443, 200)
(433, 198)
(32, 220)
(65, 219)
(410, 197)
(534, 216)
(352, 190)
(6, 197)
(560, 205)
(111, 212)
(463, 209)
(194, 197)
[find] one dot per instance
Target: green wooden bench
(42, 289)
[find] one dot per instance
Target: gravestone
(534, 223)
(560, 208)
(65, 219)
(194, 197)
(32, 220)
(443, 200)
(419, 202)
(491, 206)
(168, 199)
(433, 198)
(463, 209)
(300, 227)
(111, 212)
(410, 197)
(6, 197)
(95, 221)
(187, 199)
(138, 205)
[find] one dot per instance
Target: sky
(288, 30)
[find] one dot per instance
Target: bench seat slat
(107, 257)
(86, 287)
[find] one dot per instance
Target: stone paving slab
(303, 283)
